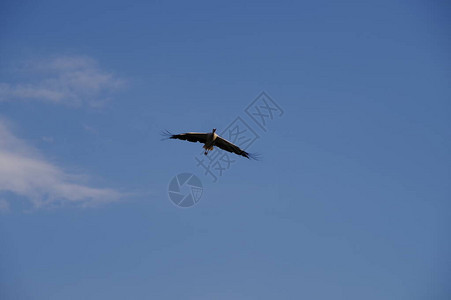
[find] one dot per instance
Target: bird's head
(214, 130)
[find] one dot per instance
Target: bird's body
(210, 139)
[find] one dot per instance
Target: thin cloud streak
(68, 80)
(4, 206)
(23, 171)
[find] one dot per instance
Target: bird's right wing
(230, 147)
(191, 137)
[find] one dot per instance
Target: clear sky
(351, 199)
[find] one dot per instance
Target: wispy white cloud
(69, 80)
(25, 172)
(4, 206)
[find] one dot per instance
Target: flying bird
(210, 139)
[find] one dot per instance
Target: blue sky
(350, 199)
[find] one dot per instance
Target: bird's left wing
(230, 147)
(191, 137)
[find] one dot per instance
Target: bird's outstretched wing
(230, 147)
(190, 137)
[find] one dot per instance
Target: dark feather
(166, 134)
(219, 142)
(190, 137)
(230, 147)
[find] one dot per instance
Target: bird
(210, 139)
